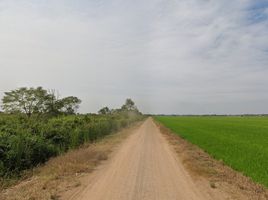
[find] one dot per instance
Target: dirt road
(144, 168)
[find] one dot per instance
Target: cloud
(178, 56)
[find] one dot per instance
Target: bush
(25, 143)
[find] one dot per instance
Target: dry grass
(64, 172)
(219, 176)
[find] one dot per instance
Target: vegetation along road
(145, 167)
(240, 142)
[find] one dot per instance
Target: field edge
(201, 165)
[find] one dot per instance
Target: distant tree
(24, 100)
(53, 103)
(129, 106)
(104, 111)
(37, 101)
(69, 105)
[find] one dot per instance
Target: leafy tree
(104, 111)
(69, 105)
(37, 101)
(129, 106)
(53, 103)
(24, 100)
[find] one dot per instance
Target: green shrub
(25, 143)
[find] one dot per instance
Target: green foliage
(69, 105)
(129, 106)
(104, 111)
(241, 142)
(27, 142)
(38, 101)
(24, 100)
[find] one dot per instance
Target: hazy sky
(169, 56)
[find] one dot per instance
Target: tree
(53, 103)
(129, 106)
(38, 101)
(104, 111)
(24, 100)
(69, 105)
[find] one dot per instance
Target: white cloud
(179, 56)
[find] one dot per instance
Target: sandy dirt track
(145, 167)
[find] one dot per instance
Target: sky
(169, 56)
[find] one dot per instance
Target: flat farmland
(240, 142)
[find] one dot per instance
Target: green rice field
(240, 142)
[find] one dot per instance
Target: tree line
(37, 124)
(38, 101)
(129, 106)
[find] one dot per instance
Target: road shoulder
(210, 173)
(66, 174)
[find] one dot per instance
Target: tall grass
(241, 142)
(25, 143)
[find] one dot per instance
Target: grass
(65, 173)
(240, 142)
